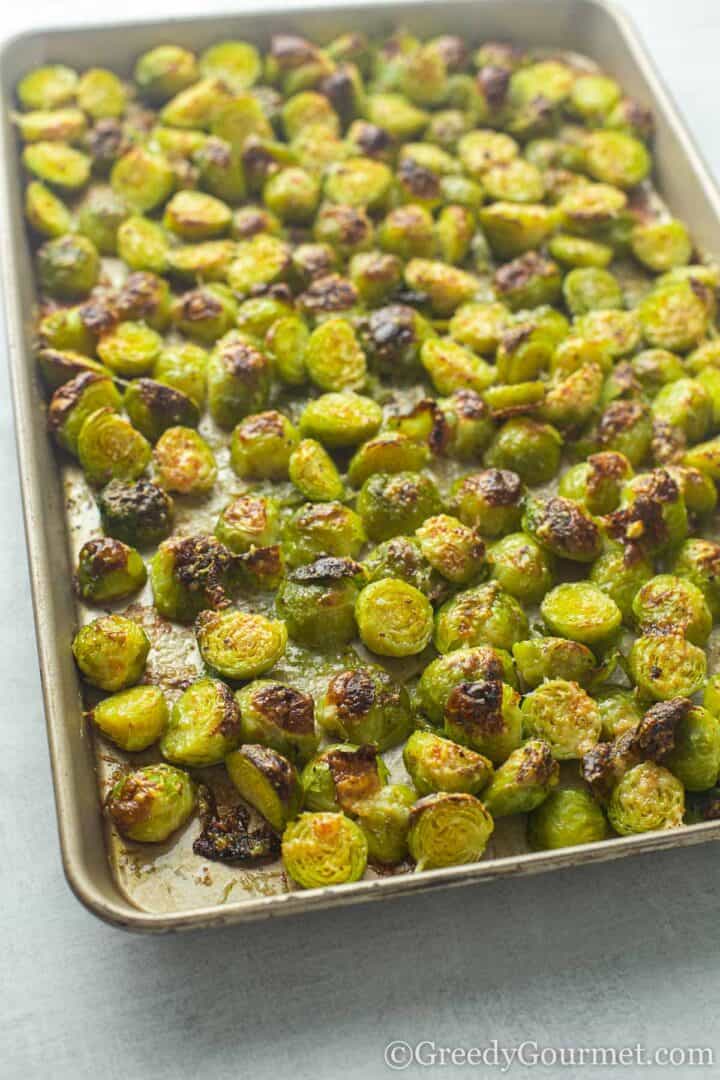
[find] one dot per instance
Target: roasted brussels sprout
(582, 612)
(239, 644)
(47, 87)
(453, 549)
(68, 266)
(317, 603)
(562, 527)
(395, 504)
(151, 803)
(130, 349)
(324, 849)
(447, 829)
(564, 715)
(342, 776)
(140, 514)
(666, 666)
(238, 380)
(340, 419)
(184, 463)
(568, 817)
(109, 570)
(316, 529)
(153, 407)
(669, 604)
(521, 567)
(698, 561)
(695, 757)
(490, 501)
(394, 618)
(261, 446)
(438, 764)
(445, 673)
(523, 781)
(385, 820)
(109, 448)
(204, 725)
(133, 719)
(526, 447)
(248, 522)
(188, 574)
(365, 706)
(484, 615)
(268, 781)
(280, 717)
(597, 483)
(111, 652)
(647, 798)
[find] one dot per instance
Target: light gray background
(622, 953)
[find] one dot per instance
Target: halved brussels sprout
(317, 602)
(341, 776)
(111, 652)
(390, 452)
(109, 570)
(139, 514)
(76, 400)
(327, 528)
(262, 444)
(666, 666)
(133, 719)
(568, 817)
(239, 644)
(144, 178)
(164, 71)
(541, 658)
(280, 717)
(485, 716)
(151, 803)
(562, 527)
(484, 615)
(203, 727)
(324, 849)
(669, 604)
(130, 349)
(523, 781)
(447, 829)
(385, 820)
(189, 574)
(247, 523)
(695, 757)
(564, 715)
(314, 473)
(268, 781)
(453, 549)
(184, 462)
(366, 706)
(582, 612)
(521, 567)
(238, 380)
(438, 764)
(46, 213)
(154, 407)
(395, 504)
(394, 618)
(57, 164)
(339, 420)
(698, 561)
(47, 87)
(109, 448)
(647, 798)
(445, 673)
(68, 266)
(490, 501)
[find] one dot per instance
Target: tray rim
(122, 912)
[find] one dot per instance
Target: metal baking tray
(147, 896)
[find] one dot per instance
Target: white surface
(611, 956)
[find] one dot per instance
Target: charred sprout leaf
(227, 835)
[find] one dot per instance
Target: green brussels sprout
(446, 287)
(280, 717)
(314, 473)
(261, 446)
(139, 514)
(517, 181)
(661, 245)
(358, 181)
(577, 251)
(597, 483)
(236, 63)
(686, 404)
(100, 215)
(144, 297)
(591, 289)
(239, 645)
(438, 764)
(375, 275)
(385, 820)
(57, 164)
(444, 674)
(453, 549)
(74, 401)
(523, 781)
(111, 652)
(447, 829)
(408, 231)
(183, 367)
(394, 114)
(666, 666)
(109, 448)
(541, 658)
(322, 529)
(592, 97)
(365, 706)
(68, 266)
(389, 453)
(394, 504)
(526, 447)
(339, 420)
(47, 87)
(452, 367)
(153, 407)
(612, 157)
(203, 727)
(567, 817)
(513, 228)
(247, 523)
(528, 281)
(130, 349)
(285, 343)
(143, 178)
(703, 357)
(705, 457)
(669, 604)
(564, 715)
(238, 380)
(480, 326)
(711, 695)
(341, 776)
(221, 173)
(652, 514)
(695, 757)
(394, 618)
(195, 215)
(189, 574)
(143, 244)
(237, 120)
(619, 712)
(647, 798)
(268, 781)
(46, 213)
(620, 572)
(184, 462)
(151, 803)
(164, 71)
(199, 106)
(60, 366)
(346, 230)
(324, 849)
(484, 615)
(393, 337)
(698, 561)
(109, 570)
(709, 379)
(562, 527)
(101, 93)
(489, 501)
(480, 151)
(133, 719)
(317, 603)
(401, 557)
(333, 357)
(521, 567)
(582, 612)
(674, 317)
(309, 109)
(465, 417)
